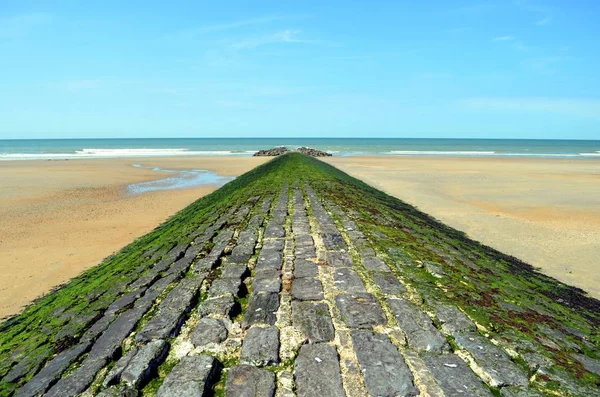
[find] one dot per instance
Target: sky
(471, 69)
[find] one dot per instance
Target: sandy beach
(545, 212)
(62, 217)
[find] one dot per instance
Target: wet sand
(60, 218)
(545, 212)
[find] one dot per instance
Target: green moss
(218, 389)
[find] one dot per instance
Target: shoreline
(415, 155)
(63, 217)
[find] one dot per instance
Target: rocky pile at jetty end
(278, 151)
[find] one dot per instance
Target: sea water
(50, 149)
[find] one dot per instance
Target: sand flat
(543, 211)
(60, 218)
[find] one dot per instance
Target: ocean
(48, 149)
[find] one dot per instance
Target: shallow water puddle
(180, 179)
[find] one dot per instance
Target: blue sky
(497, 69)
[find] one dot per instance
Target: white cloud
(577, 107)
(516, 44)
(503, 38)
(284, 36)
(521, 46)
(236, 24)
(544, 21)
(203, 30)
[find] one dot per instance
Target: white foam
(118, 153)
(442, 153)
(485, 153)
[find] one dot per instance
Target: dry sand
(544, 211)
(60, 218)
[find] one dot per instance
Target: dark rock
(225, 286)
(339, 259)
(303, 240)
(384, 369)
(114, 375)
(27, 365)
(313, 152)
(272, 152)
(52, 371)
(388, 283)
(261, 346)
(283, 150)
(262, 309)
(494, 361)
(360, 310)
(454, 376)
(314, 320)
(272, 244)
(274, 231)
(590, 364)
(145, 363)
(420, 331)
(317, 371)
(221, 306)
(235, 270)
(172, 311)
(435, 269)
(79, 380)
(307, 288)
(154, 291)
(206, 264)
(192, 377)
(333, 241)
(267, 281)
(304, 268)
(453, 320)
(373, 263)
(269, 259)
(98, 327)
(249, 381)
(208, 330)
(111, 340)
(105, 347)
(305, 252)
(348, 280)
(124, 301)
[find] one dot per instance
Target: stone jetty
(297, 280)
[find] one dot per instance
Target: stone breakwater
(284, 294)
(283, 150)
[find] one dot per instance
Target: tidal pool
(180, 179)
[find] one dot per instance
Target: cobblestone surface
(286, 296)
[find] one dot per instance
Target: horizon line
(264, 137)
